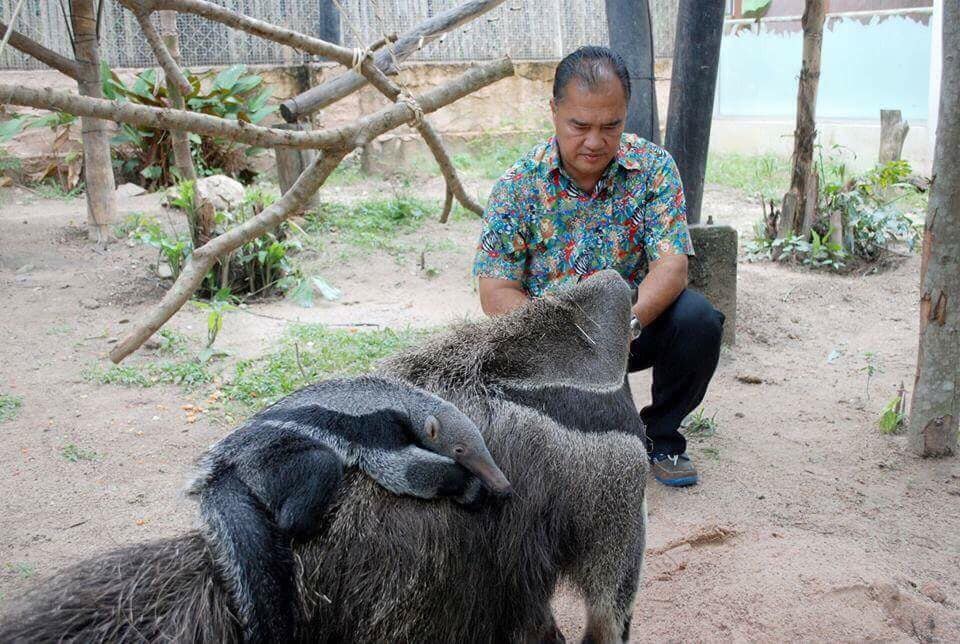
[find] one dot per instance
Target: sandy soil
(809, 524)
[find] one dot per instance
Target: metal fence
(526, 30)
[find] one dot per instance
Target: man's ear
(553, 106)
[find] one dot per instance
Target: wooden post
(182, 158)
(97, 166)
(893, 130)
(935, 410)
(795, 211)
(291, 162)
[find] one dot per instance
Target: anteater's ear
(432, 427)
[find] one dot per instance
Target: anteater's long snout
(483, 465)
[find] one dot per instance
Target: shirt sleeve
(665, 213)
(502, 250)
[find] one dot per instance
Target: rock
(26, 268)
(90, 303)
(222, 192)
(130, 190)
(934, 592)
(164, 271)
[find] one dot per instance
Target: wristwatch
(635, 327)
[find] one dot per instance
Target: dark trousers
(683, 347)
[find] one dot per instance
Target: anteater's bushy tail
(162, 591)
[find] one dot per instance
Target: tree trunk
(182, 158)
(97, 166)
(935, 411)
(795, 209)
(893, 130)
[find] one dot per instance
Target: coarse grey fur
(387, 568)
(269, 482)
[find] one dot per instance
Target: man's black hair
(590, 66)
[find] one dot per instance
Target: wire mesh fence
(525, 30)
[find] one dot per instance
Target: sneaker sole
(682, 482)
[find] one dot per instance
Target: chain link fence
(525, 30)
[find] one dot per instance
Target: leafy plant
(260, 267)
(218, 305)
(63, 169)
(147, 153)
(75, 454)
(699, 425)
(9, 407)
(893, 418)
(872, 367)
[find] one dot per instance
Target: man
(593, 198)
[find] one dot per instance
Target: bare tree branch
(346, 136)
(426, 32)
(46, 56)
(203, 258)
(170, 67)
(216, 13)
(433, 141)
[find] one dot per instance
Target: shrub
(146, 154)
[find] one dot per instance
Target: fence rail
(524, 29)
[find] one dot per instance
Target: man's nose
(593, 141)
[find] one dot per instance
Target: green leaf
(152, 172)
(228, 77)
(326, 290)
(11, 128)
(755, 8)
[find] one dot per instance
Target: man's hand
(498, 296)
(663, 284)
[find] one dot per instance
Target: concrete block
(713, 271)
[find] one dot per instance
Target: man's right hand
(499, 296)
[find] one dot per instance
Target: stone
(130, 190)
(222, 192)
(26, 268)
(933, 591)
(713, 271)
(164, 271)
(90, 303)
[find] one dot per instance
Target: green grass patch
(372, 223)
(766, 174)
(488, 156)
(9, 407)
(189, 374)
(74, 454)
(308, 353)
(22, 569)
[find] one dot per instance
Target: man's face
(589, 122)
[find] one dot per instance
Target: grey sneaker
(674, 470)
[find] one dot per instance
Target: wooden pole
(796, 214)
(893, 131)
(97, 166)
(935, 410)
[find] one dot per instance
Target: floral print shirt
(543, 231)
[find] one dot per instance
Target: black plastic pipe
(696, 57)
(631, 36)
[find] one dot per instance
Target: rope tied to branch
(407, 99)
(360, 54)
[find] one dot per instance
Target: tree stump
(291, 162)
(893, 130)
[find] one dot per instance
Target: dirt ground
(808, 523)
